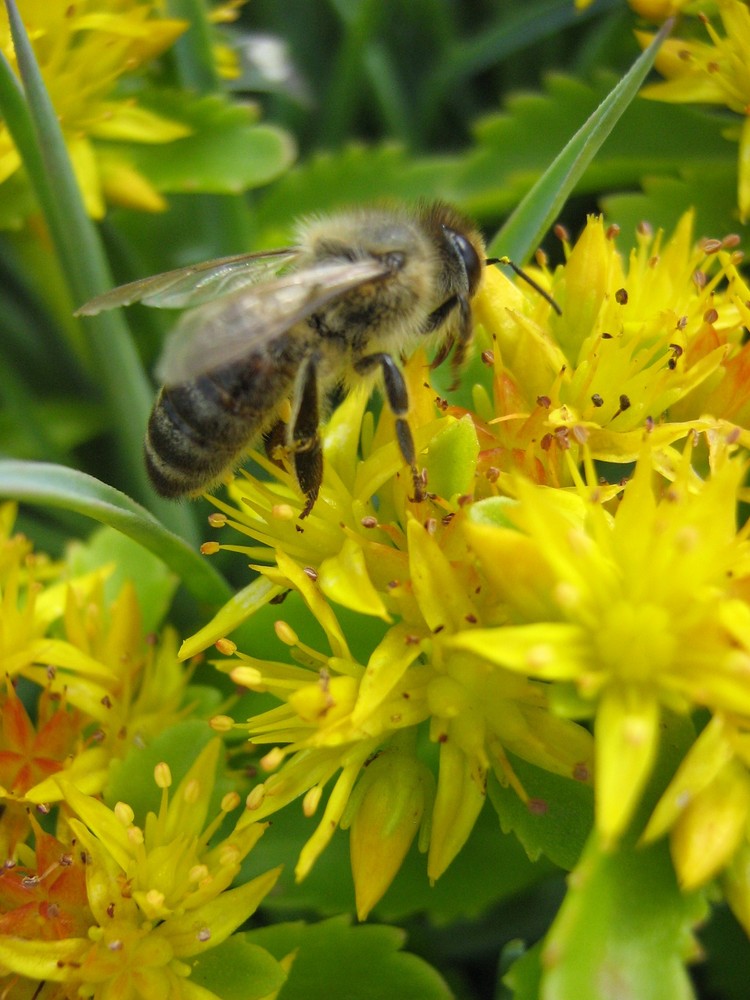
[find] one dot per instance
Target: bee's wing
(195, 284)
(222, 332)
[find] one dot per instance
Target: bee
(354, 291)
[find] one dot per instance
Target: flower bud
(394, 792)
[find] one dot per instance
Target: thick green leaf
(561, 830)
(334, 959)
(491, 868)
(524, 977)
(237, 970)
(624, 931)
(131, 779)
(530, 221)
(711, 189)
(226, 153)
(357, 174)
(513, 148)
(55, 486)
(154, 583)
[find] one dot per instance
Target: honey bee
(284, 325)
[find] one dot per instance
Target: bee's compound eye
(468, 256)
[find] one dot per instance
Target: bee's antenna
(527, 278)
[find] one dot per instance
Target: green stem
(116, 367)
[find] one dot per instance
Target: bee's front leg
(398, 400)
(308, 454)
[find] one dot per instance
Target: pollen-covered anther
(710, 245)
(621, 296)
(124, 813)
(162, 775)
(221, 723)
(285, 633)
(229, 855)
(230, 802)
(283, 512)
(226, 646)
(369, 521)
(217, 519)
(311, 800)
(255, 797)
(154, 899)
(198, 874)
(209, 548)
(271, 760)
(245, 676)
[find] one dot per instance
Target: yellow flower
(502, 607)
(640, 611)
(706, 807)
(159, 895)
(83, 49)
(338, 714)
(100, 686)
(641, 344)
(714, 72)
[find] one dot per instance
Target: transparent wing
(220, 333)
(195, 284)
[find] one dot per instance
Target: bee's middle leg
(398, 400)
(308, 453)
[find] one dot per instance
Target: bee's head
(461, 249)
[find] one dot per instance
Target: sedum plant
(267, 763)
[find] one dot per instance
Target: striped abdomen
(200, 430)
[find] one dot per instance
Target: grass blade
(528, 224)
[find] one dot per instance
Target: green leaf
(334, 959)
(153, 582)
(357, 174)
(710, 188)
(56, 486)
(523, 979)
(131, 779)
(491, 868)
(226, 153)
(532, 218)
(561, 830)
(237, 970)
(624, 930)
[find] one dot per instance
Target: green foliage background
(470, 102)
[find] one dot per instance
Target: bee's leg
(274, 440)
(436, 319)
(398, 400)
(308, 454)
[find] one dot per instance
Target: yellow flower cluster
(102, 906)
(527, 601)
(83, 49)
(708, 72)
